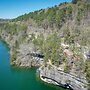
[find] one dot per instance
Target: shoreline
(52, 82)
(61, 79)
(44, 78)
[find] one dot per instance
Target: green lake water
(12, 78)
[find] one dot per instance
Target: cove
(12, 78)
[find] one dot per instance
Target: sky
(13, 8)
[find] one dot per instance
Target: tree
(52, 48)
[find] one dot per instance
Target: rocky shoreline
(53, 75)
(60, 78)
(50, 75)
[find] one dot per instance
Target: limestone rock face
(57, 77)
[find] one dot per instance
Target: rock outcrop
(58, 77)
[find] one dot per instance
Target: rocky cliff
(55, 76)
(22, 50)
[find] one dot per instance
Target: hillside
(56, 17)
(54, 39)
